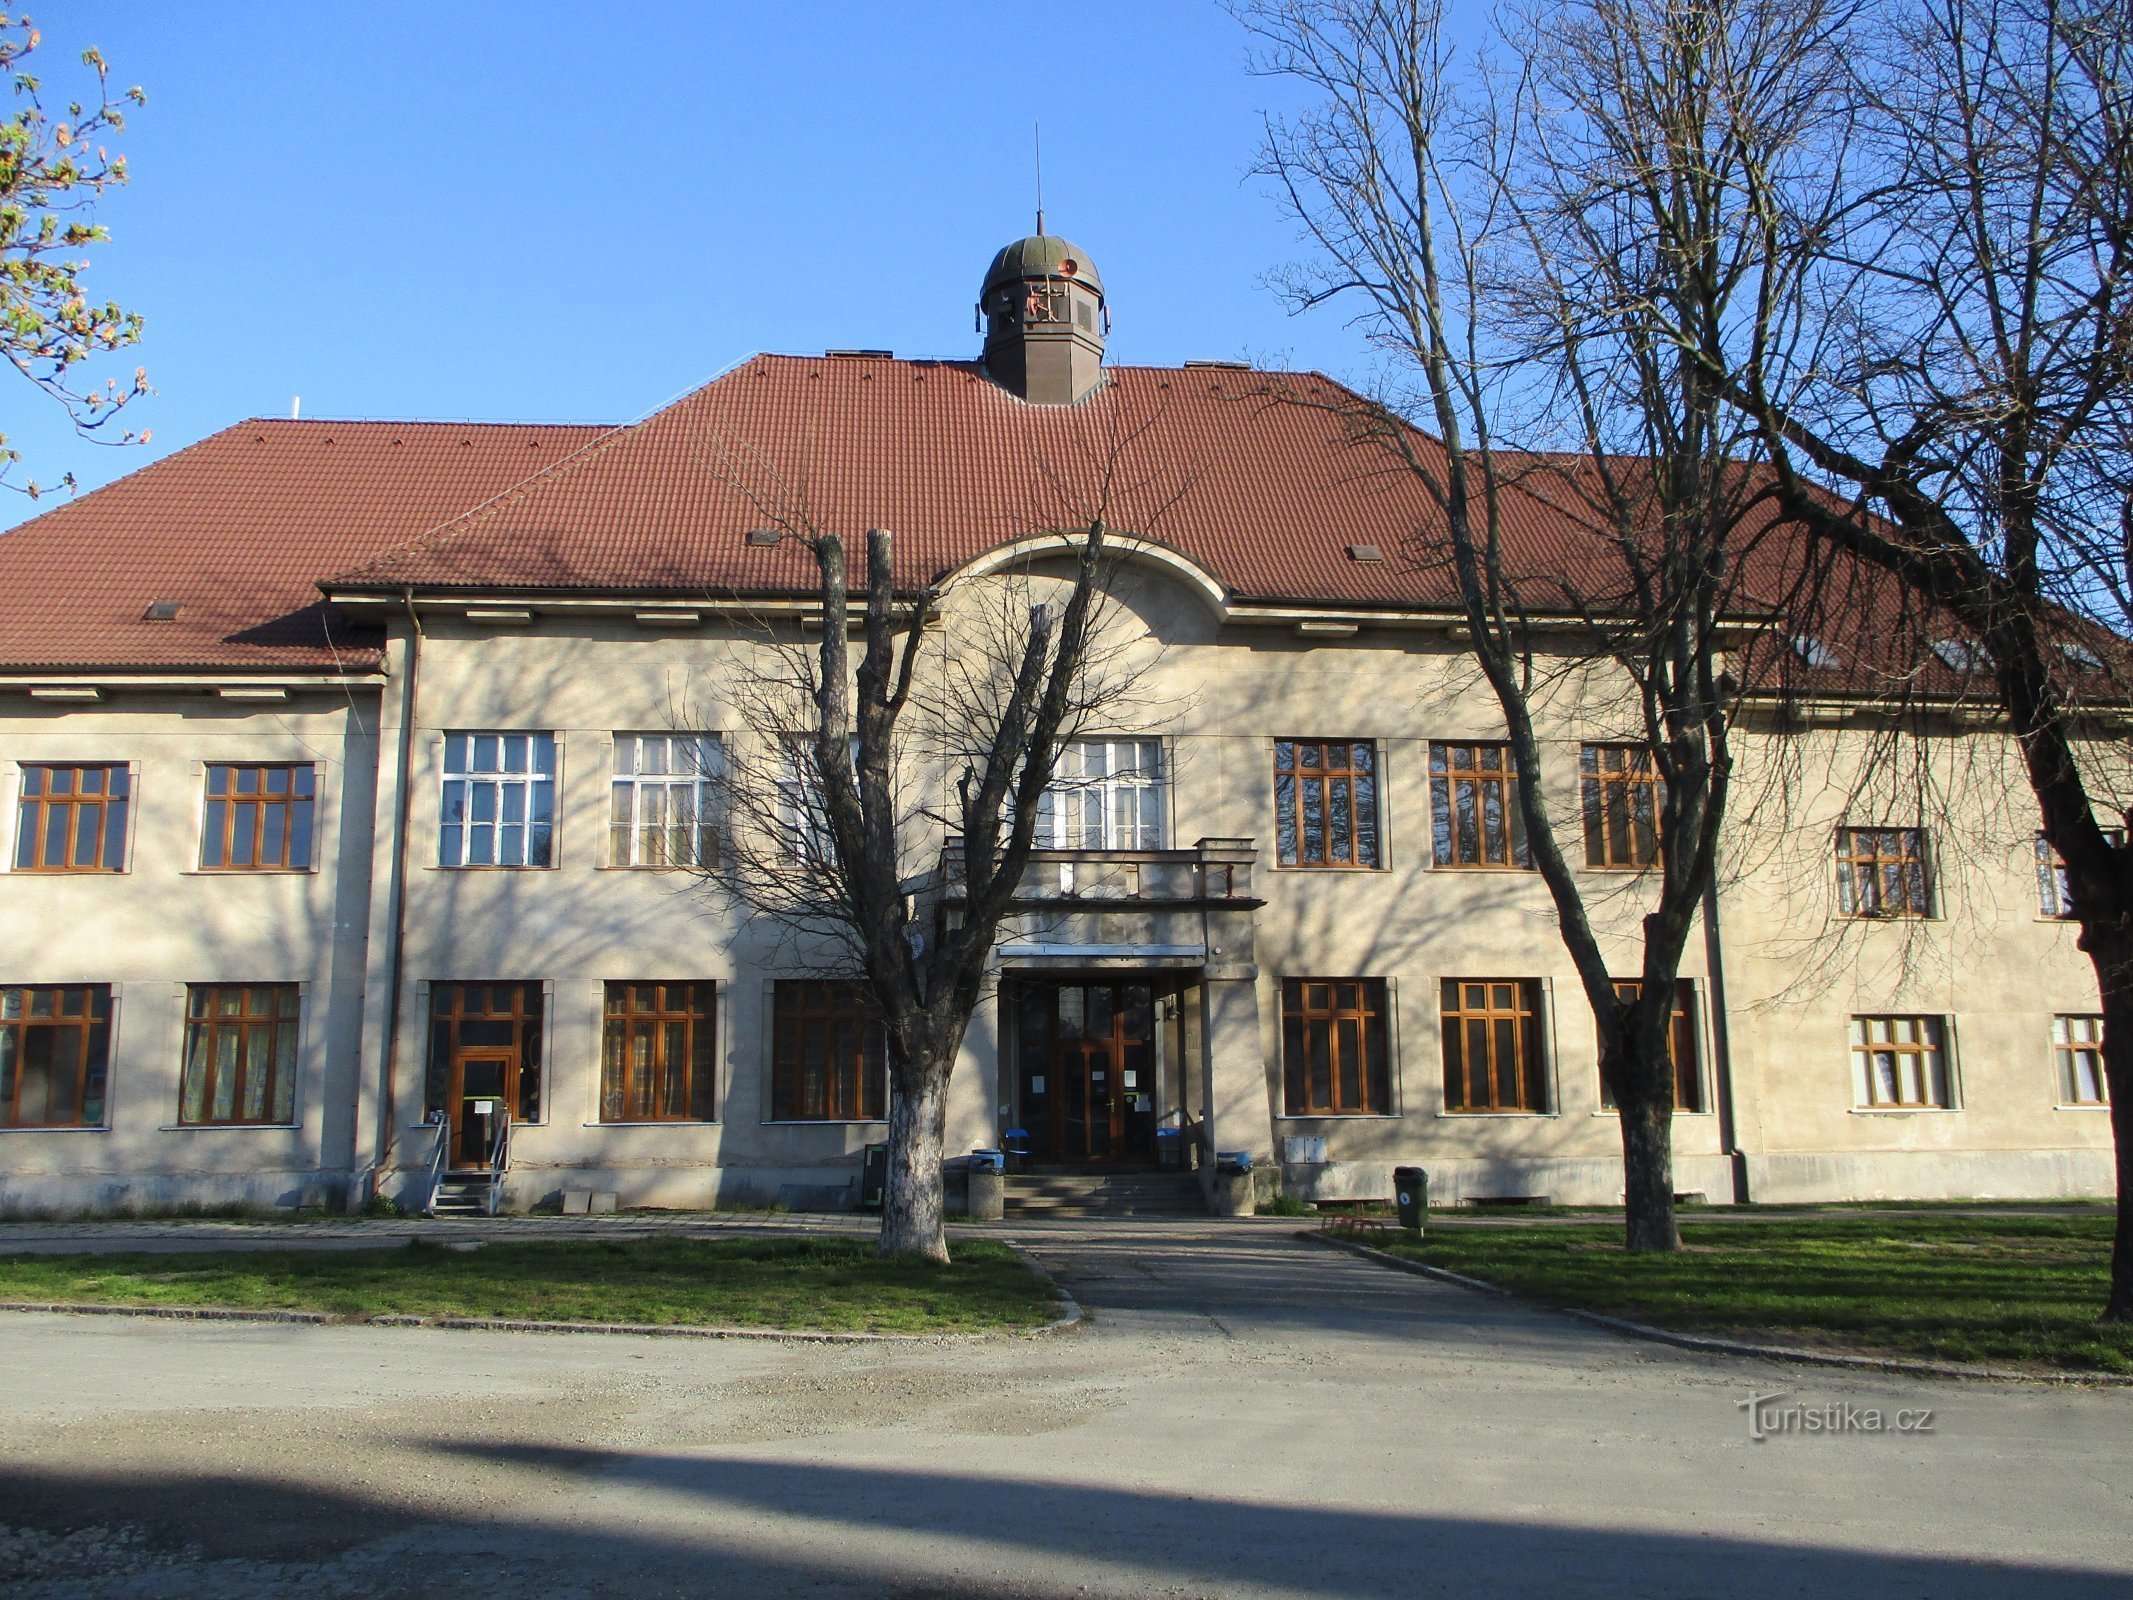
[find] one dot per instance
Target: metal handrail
(499, 1159)
(438, 1157)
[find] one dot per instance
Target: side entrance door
(1088, 1069)
(484, 1087)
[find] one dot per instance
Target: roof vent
(1962, 655)
(1365, 553)
(161, 611)
(761, 538)
(861, 355)
(1813, 652)
(1224, 366)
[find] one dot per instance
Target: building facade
(360, 784)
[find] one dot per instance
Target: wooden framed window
(1621, 793)
(1900, 1063)
(1106, 794)
(258, 818)
(1473, 797)
(1881, 872)
(1336, 1060)
(1326, 803)
(73, 817)
(499, 800)
(829, 1055)
(1493, 1060)
(1681, 1046)
(487, 1016)
(2077, 1045)
(240, 1054)
(658, 1053)
(661, 809)
(2054, 898)
(55, 1055)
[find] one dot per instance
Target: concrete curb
(1706, 1344)
(1070, 1309)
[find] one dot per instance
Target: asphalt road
(1243, 1415)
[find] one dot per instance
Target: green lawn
(817, 1285)
(1998, 1290)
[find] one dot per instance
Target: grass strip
(2003, 1291)
(827, 1285)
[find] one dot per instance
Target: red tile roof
(238, 529)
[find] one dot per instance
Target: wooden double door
(484, 1086)
(1090, 1071)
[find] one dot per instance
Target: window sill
(1611, 1111)
(248, 872)
(1472, 866)
(1903, 1111)
(1327, 867)
(2083, 1105)
(1621, 872)
(1890, 916)
(438, 866)
(670, 1122)
(68, 872)
(825, 1122)
(231, 1127)
(1338, 1116)
(1499, 1116)
(59, 1127)
(613, 866)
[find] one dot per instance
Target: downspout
(1721, 1044)
(403, 802)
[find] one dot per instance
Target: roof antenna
(296, 406)
(1037, 135)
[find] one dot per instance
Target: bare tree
(1964, 382)
(1540, 251)
(883, 809)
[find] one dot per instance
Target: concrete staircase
(1110, 1194)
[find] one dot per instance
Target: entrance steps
(1108, 1194)
(464, 1197)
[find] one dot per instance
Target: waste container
(1016, 1142)
(1170, 1149)
(1410, 1190)
(874, 1178)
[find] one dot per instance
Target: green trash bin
(1410, 1191)
(874, 1177)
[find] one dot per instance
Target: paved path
(1245, 1415)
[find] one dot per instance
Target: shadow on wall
(748, 1526)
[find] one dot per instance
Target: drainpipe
(1721, 1044)
(403, 801)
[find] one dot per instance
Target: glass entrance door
(484, 1088)
(1088, 1070)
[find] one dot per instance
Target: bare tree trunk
(1647, 1158)
(911, 1211)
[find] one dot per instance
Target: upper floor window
(1881, 872)
(1680, 1045)
(1493, 1059)
(802, 811)
(1106, 794)
(829, 1054)
(1621, 793)
(658, 1054)
(661, 808)
(2055, 896)
(1900, 1063)
(258, 818)
(55, 1055)
(1335, 1060)
(1473, 798)
(240, 1054)
(1326, 803)
(499, 800)
(2077, 1042)
(73, 817)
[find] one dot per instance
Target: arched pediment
(1147, 554)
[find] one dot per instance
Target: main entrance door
(1087, 1062)
(484, 1088)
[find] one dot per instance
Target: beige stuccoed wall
(162, 924)
(1220, 695)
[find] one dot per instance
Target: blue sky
(546, 212)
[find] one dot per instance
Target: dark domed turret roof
(1042, 255)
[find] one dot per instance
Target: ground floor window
(1335, 1059)
(1680, 1046)
(55, 1055)
(829, 1055)
(2078, 1043)
(657, 1060)
(1493, 1059)
(1899, 1063)
(240, 1054)
(500, 1023)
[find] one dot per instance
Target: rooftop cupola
(1042, 309)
